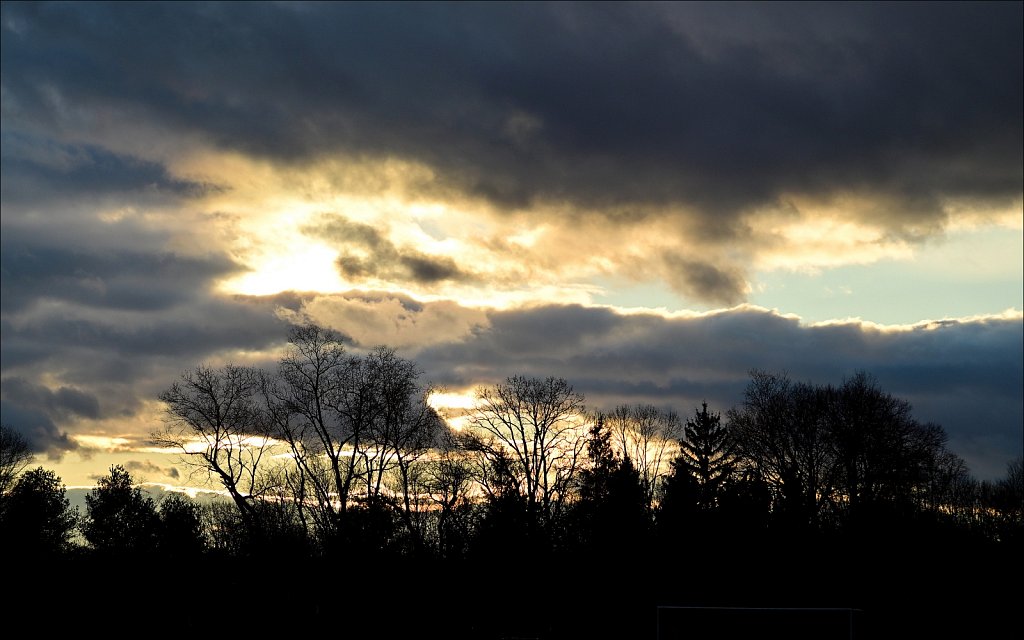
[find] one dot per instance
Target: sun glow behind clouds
(277, 222)
(304, 268)
(454, 406)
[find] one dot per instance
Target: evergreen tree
(706, 455)
(613, 508)
(594, 479)
(119, 517)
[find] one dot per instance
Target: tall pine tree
(706, 455)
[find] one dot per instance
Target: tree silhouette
(447, 481)
(120, 518)
(702, 482)
(405, 429)
(216, 422)
(355, 424)
(506, 520)
(322, 410)
(783, 437)
(534, 429)
(612, 509)
(707, 454)
(37, 518)
(14, 457)
(181, 531)
(1008, 502)
(646, 436)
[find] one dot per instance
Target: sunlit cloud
(105, 443)
(452, 400)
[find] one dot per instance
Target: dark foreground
(922, 591)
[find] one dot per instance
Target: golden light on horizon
(454, 406)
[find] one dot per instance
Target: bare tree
(782, 434)
(307, 406)
(646, 436)
(350, 421)
(539, 427)
(215, 421)
(882, 455)
(14, 457)
(405, 425)
(847, 452)
(447, 479)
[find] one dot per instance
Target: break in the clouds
(466, 182)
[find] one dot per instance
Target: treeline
(334, 452)
(356, 507)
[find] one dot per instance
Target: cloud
(72, 368)
(704, 281)
(39, 169)
(710, 121)
(145, 466)
(62, 402)
(126, 339)
(966, 375)
(513, 158)
(381, 258)
(401, 322)
(951, 372)
(39, 429)
(125, 279)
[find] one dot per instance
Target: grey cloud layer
(40, 170)
(966, 376)
(113, 338)
(722, 109)
(123, 280)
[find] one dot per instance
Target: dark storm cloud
(722, 108)
(115, 346)
(107, 279)
(42, 434)
(966, 376)
(38, 169)
(109, 362)
(63, 402)
(36, 412)
(384, 259)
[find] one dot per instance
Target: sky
(649, 200)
